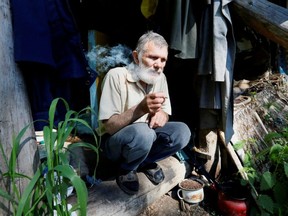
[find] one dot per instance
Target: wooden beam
(266, 18)
(233, 155)
(237, 162)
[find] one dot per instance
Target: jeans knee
(184, 134)
(144, 141)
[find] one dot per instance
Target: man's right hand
(152, 102)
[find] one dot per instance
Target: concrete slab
(107, 199)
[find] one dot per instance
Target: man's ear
(135, 56)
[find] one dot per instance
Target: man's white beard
(147, 75)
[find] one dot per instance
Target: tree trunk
(264, 17)
(15, 111)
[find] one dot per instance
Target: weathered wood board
(266, 18)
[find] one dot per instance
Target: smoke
(103, 58)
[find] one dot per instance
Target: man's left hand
(158, 119)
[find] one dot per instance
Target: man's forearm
(117, 122)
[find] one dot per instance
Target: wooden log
(15, 112)
(266, 18)
(108, 199)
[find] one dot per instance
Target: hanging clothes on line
(216, 74)
(177, 22)
(48, 49)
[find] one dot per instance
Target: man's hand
(158, 119)
(152, 103)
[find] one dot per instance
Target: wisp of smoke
(103, 58)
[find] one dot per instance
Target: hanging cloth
(216, 74)
(183, 36)
(176, 22)
(148, 8)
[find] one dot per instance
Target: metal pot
(233, 199)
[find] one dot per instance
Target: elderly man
(134, 111)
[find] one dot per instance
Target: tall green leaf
(78, 184)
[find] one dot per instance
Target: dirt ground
(170, 205)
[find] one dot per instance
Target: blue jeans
(137, 145)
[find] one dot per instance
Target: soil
(190, 184)
(170, 205)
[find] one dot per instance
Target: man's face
(152, 63)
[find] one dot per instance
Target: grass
(46, 191)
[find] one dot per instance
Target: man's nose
(158, 64)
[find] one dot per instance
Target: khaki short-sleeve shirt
(120, 91)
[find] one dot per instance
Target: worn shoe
(154, 173)
(128, 182)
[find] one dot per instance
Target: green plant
(46, 192)
(271, 185)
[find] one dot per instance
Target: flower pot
(191, 191)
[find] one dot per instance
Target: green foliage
(239, 145)
(272, 184)
(267, 181)
(47, 191)
(266, 204)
